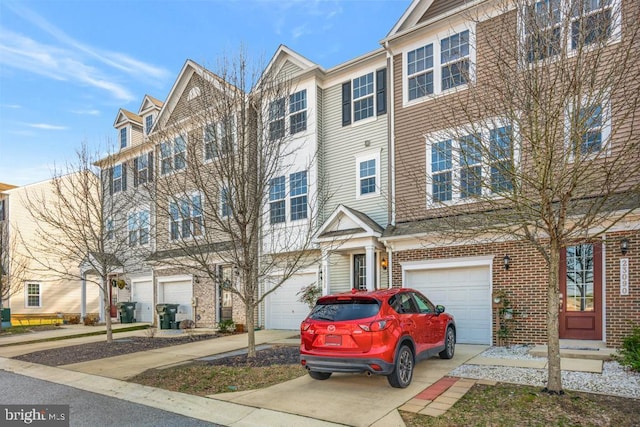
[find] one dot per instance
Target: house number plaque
(624, 276)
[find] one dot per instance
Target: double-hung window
(148, 123)
(34, 295)
(363, 97)
(454, 60)
(173, 155)
(143, 166)
(368, 175)
(186, 217)
(442, 171)
(420, 71)
(276, 119)
(123, 137)
(298, 112)
(588, 128)
(298, 186)
(117, 178)
(470, 165)
(225, 202)
(109, 229)
(277, 202)
(138, 225)
(218, 139)
(501, 153)
(552, 26)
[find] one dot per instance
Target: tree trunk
(251, 339)
(554, 381)
(107, 309)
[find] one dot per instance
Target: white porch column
(371, 267)
(83, 296)
(325, 271)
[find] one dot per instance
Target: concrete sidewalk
(65, 331)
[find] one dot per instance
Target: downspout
(391, 211)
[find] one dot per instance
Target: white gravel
(615, 380)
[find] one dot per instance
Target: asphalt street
(87, 409)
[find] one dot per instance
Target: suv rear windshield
(335, 310)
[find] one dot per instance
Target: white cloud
(91, 112)
(46, 126)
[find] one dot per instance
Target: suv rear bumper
(350, 365)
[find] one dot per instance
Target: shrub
(629, 354)
(74, 320)
(309, 294)
(226, 326)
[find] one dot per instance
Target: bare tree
(542, 139)
(13, 266)
(77, 237)
(234, 151)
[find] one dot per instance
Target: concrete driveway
(356, 400)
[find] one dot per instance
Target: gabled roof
(177, 90)
(126, 116)
(345, 221)
(283, 57)
(422, 12)
(4, 187)
(149, 103)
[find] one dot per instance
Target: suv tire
(403, 370)
(319, 375)
(449, 344)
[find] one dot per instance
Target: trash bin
(6, 317)
(127, 311)
(167, 314)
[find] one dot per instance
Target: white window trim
(616, 32)
(223, 188)
(373, 95)
(363, 158)
(137, 211)
(172, 144)
(451, 134)
(290, 198)
(284, 199)
(437, 66)
(126, 137)
(110, 229)
(177, 200)
(605, 150)
(218, 125)
(289, 114)
(26, 295)
(120, 179)
(147, 129)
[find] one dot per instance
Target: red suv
(381, 332)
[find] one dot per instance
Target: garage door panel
(178, 293)
(283, 310)
(465, 293)
(142, 294)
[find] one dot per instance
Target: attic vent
(193, 93)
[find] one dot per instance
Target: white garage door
(179, 292)
(142, 294)
(465, 293)
(283, 310)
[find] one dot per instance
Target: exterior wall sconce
(624, 246)
(384, 264)
(506, 262)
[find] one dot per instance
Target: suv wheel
(319, 375)
(449, 344)
(403, 371)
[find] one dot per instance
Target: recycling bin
(127, 311)
(167, 313)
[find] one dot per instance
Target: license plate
(333, 340)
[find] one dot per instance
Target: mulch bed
(99, 350)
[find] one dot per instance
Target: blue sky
(67, 66)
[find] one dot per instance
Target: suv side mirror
(439, 309)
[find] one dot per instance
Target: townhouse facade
(372, 163)
(39, 292)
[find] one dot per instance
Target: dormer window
(123, 138)
(148, 124)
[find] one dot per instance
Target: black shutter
(381, 91)
(346, 103)
(109, 176)
(135, 172)
(124, 177)
(150, 170)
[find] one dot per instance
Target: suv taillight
(378, 325)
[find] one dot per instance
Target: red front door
(581, 289)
